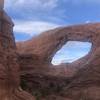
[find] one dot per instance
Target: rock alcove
(71, 51)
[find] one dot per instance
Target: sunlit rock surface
(31, 60)
(78, 80)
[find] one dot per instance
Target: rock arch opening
(71, 51)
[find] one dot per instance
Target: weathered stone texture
(82, 76)
(9, 67)
(31, 62)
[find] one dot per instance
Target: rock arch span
(48, 43)
(43, 48)
(38, 52)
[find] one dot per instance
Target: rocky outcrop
(42, 48)
(82, 76)
(9, 67)
(48, 43)
(31, 62)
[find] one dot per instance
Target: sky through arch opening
(71, 51)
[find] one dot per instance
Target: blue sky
(71, 51)
(35, 16)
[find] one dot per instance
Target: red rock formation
(9, 68)
(48, 43)
(84, 73)
(79, 80)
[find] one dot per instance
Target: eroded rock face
(84, 73)
(44, 47)
(31, 61)
(9, 67)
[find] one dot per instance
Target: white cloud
(78, 44)
(44, 4)
(88, 21)
(32, 27)
(31, 4)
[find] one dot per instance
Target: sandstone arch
(48, 43)
(45, 45)
(39, 51)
